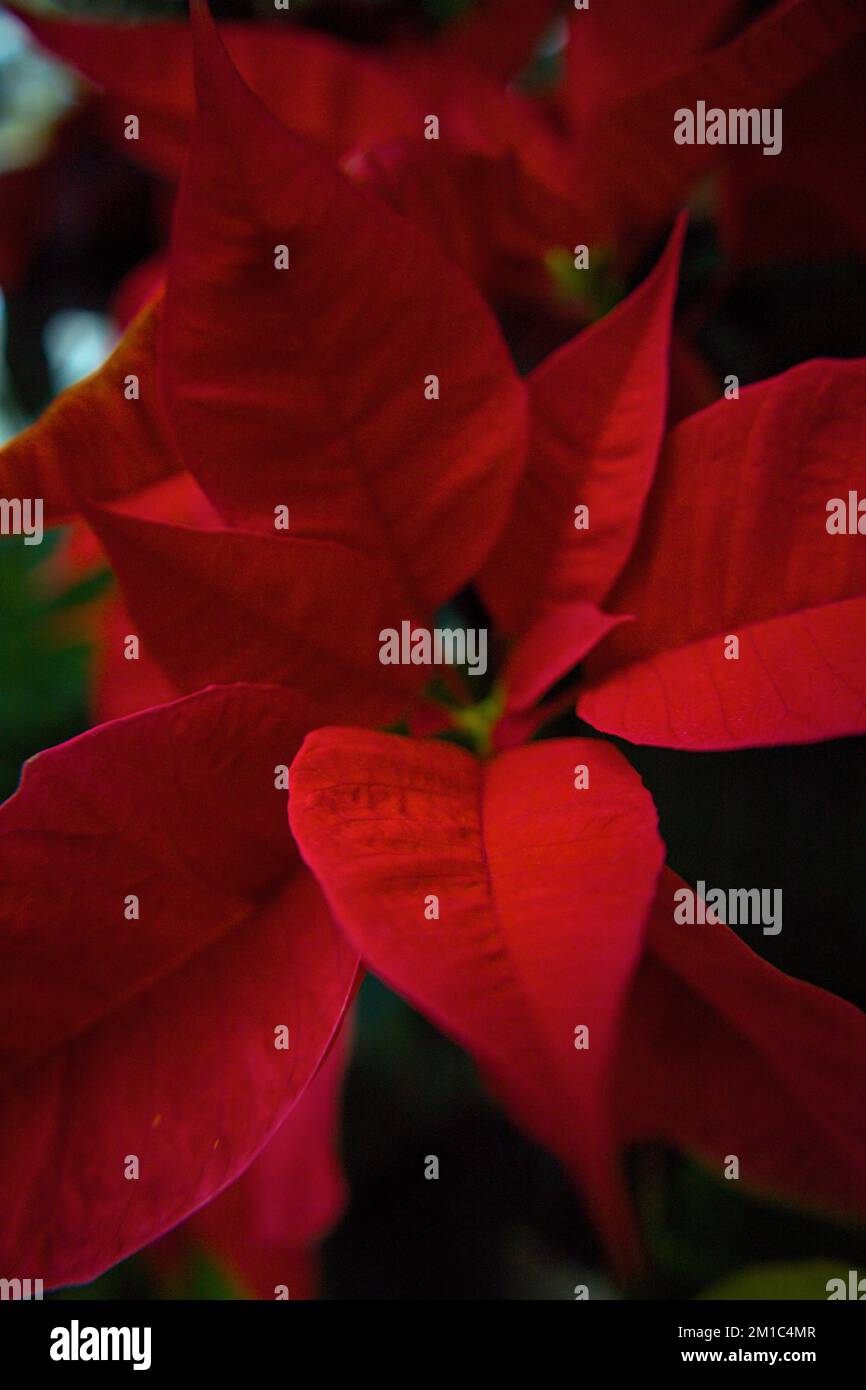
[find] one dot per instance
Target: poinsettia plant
(313, 434)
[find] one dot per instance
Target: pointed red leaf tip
(153, 1036)
(552, 645)
(97, 436)
(722, 1054)
(598, 409)
(629, 157)
(503, 902)
(736, 546)
(145, 68)
(314, 386)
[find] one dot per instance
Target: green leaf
(701, 1230)
(803, 1280)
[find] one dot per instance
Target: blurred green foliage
(703, 1230)
(43, 672)
(805, 1280)
(199, 1276)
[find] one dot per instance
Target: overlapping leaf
(306, 386)
(633, 136)
(721, 1054)
(735, 544)
(106, 436)
(599, 407)
(549, 913)
(327, 92)
(542, 892)
(153, 1036)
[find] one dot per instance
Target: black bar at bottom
(84, 1338)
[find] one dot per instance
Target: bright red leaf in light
(735, 542)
